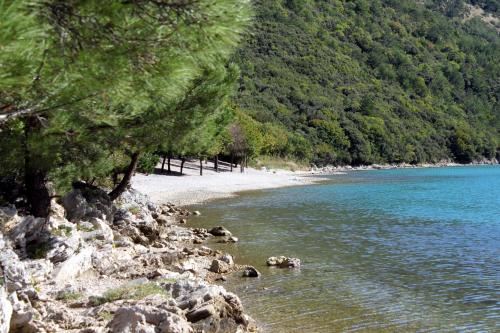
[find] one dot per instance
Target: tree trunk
(163, 163)
(242, 164)
(126, 177)
(201, 166)
(232, 161)
(216, 164)
(169, 170)
(37, 193)
(182, 164)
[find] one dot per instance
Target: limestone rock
(220, 231)
(251, 271)
(100, 230)
(74, 266)
(227, 258)
(112, 260)
(219, 266)
(228, 240)
(87, 201)
(283, 262)
(5, 311)
(147, 319)
(22, 315)
(8, 218)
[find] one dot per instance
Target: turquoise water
(412, 250)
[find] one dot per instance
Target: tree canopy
(84, 81)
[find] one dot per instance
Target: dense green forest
(372, 81)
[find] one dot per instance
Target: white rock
(39, 270)
(146, 319)
(22, 314)
(5, 311)
(74, 266)
(227, 258)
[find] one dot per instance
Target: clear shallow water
(412, 250)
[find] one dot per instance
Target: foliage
(360, 82)
(147, 162)
(84, 85)
(129, 291)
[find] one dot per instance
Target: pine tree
(82, 81)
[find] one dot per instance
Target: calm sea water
(414, 250)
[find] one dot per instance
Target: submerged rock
(283, 262)
(220, 231)
(251, 271)
(228, 240)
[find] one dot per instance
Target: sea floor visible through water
(406, 250)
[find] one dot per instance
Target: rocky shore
(330, 169)
(128, 266)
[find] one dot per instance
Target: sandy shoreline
(191, 188)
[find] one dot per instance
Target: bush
(147, 162)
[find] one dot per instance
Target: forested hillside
(373, 81)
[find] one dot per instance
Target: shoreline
(192, 189)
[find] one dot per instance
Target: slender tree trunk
(242, 165)
(232, 161)
(216, 164)
(201, 166)
(206, 160)
(246, 162)
(169, 170)
(182, 164)
(163, 163)
(122, 186)
(37, 193)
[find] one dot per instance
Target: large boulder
(210, 308)
(74, 266)
(85, 202)
(15, 276)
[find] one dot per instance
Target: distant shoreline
(446, 164)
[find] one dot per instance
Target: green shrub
(147, 162)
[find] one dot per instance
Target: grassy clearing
(130, 291)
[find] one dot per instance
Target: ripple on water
(385, 251)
